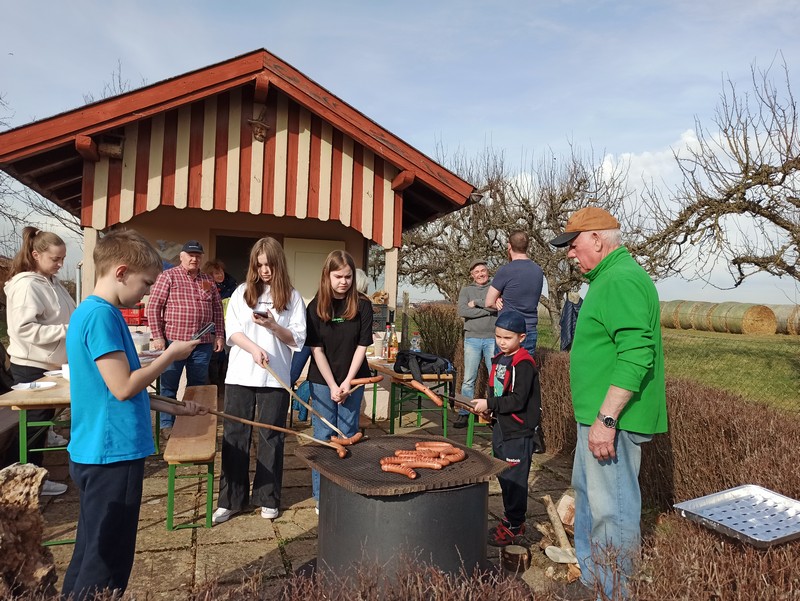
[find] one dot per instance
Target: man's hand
(499, 303)
(601, 442)
(481, 406)
(471, 304)
(219, 345)
(157, 344)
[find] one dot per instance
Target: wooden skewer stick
(341, 451)
(308, 406)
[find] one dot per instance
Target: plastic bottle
(416, 342)
(393, 345)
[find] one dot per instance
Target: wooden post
(405, 341)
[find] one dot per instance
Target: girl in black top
(339, 325)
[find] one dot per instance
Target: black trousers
(110, 497)
(513, 481)
(23, 374)
(265, 405)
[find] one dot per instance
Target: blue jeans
(343, 415)
(196, 366)
(608, 508)
(474, 350)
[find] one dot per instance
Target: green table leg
(23, 436)
(470, 429)
(392, 392)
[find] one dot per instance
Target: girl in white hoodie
(38, 309)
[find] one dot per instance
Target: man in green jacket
(618, 395)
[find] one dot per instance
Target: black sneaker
(504, 534)
(461, 421)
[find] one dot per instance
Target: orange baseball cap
(588, 219)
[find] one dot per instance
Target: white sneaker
(55, 440)
(222, 515)
(53, 489)
(269, 513)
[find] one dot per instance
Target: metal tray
(749, 513)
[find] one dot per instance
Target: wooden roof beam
(87, 148)
(403, 180)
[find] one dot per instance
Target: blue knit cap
(511, 321)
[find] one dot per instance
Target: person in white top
(38, 309)
(264, 323)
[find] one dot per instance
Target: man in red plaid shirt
(182, 301)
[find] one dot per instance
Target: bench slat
(194, 438)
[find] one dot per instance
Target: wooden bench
(193, 442)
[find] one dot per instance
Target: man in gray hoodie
(478, 331)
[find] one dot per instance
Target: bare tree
(544, 197)
(117, 85)
(740, 196)
(538, 200)
(439, 253)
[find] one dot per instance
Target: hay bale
(787, 318)
(669, 316)
(694, 315)
(718, 315)
(745, 318)
(700, 316)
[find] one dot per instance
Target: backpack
(417, 364)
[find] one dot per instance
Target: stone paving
(170, 564)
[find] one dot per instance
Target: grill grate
(360, 472)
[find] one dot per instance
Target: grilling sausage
(393, 460)
(416, 453)
(427, 392)
(399, 469)
(348, 441)
(454, 457)
(417, 464)
(434, 444)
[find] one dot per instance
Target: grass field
(760, 368)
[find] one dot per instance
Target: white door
(305, 259)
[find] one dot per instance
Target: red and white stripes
(203, 155)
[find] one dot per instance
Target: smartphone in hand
(208, 328)
(264, 314)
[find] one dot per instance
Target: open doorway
(234, 251)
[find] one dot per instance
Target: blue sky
(626, 77)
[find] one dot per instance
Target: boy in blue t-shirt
(516, 405)
(110, 432)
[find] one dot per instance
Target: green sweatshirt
(618, 341)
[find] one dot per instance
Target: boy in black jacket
(516, 405)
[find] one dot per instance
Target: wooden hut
(229, 153)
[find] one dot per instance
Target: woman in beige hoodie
(38, 309)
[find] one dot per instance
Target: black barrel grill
(369, 515)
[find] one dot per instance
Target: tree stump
(25, 565)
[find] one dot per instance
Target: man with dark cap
(478, 331)
(618, 396)
(182, 301)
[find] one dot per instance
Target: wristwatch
(607, 420)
